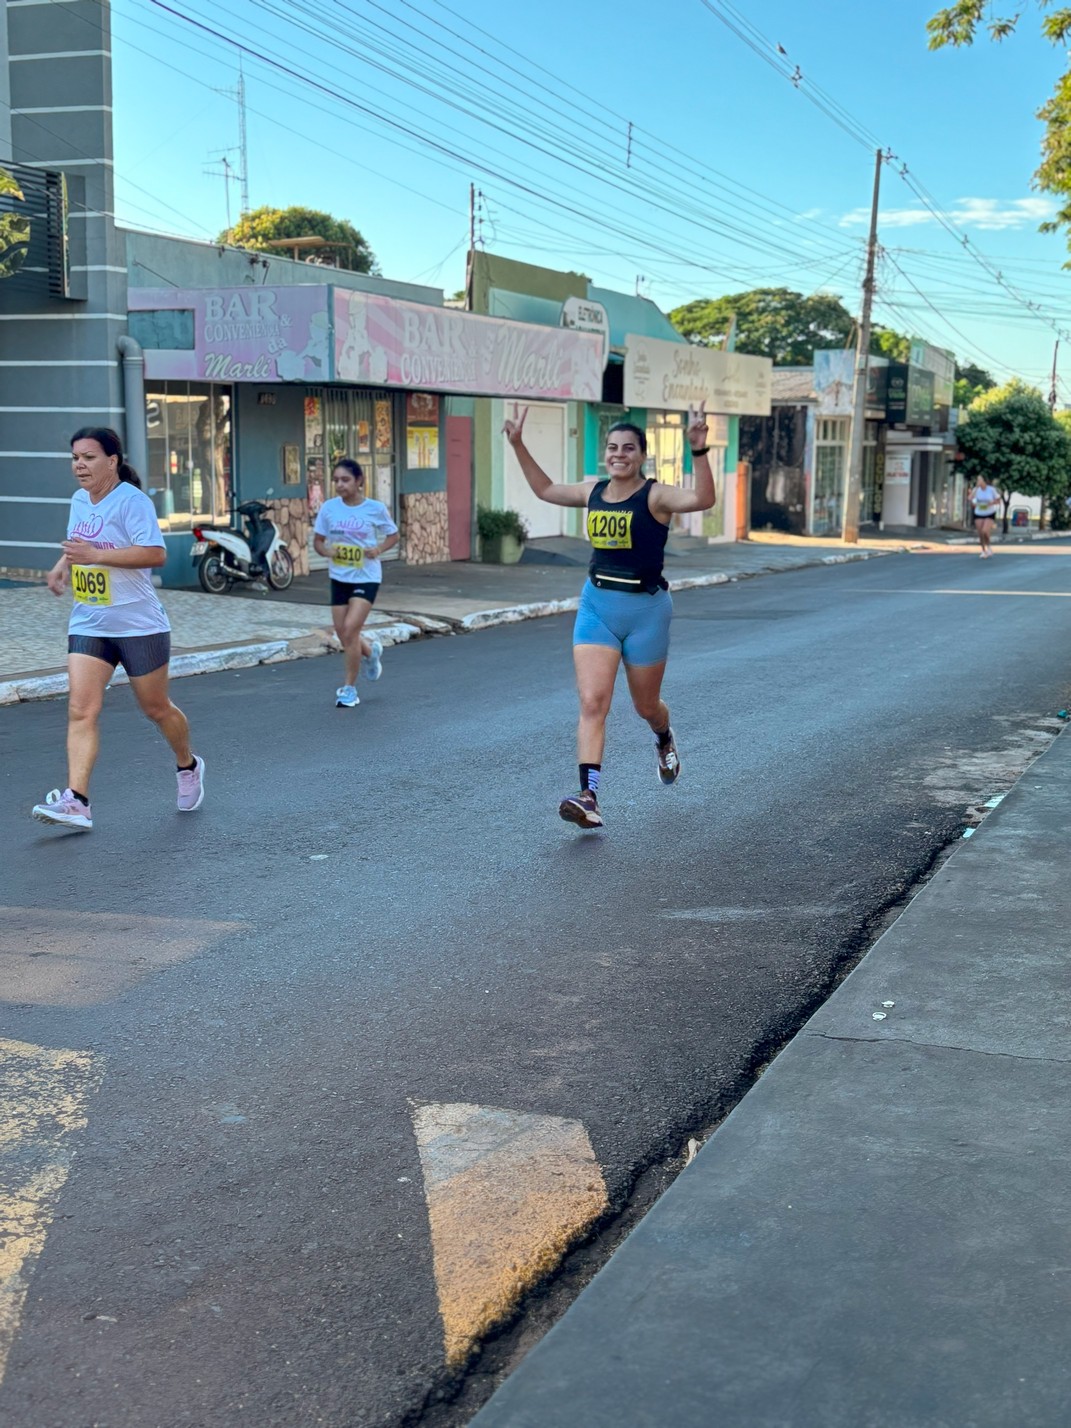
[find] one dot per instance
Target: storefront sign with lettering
(384, 342)
(673, 376)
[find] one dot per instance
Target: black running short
(343, 591)
(138, 654)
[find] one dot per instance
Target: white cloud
(810, 214)
(993, 214)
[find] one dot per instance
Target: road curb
(53, 686)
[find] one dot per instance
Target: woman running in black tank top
(625, 607)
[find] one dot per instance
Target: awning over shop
(318, 333)
(633, 314)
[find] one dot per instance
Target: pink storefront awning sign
(248, 334)
(385, 342)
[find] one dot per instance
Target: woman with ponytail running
(625, 606)
(113, 542)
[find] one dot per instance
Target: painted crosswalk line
(507, 1194)
(43, 1095)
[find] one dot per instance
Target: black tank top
(627, 542)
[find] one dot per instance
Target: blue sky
(733, 179)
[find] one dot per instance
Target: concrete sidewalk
(879, 1236)
(212, 632)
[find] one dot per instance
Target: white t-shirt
(985, 500)
(355, 529)
(110, 602)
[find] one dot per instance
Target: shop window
(189, 439)
(830, 463)
(665, 447)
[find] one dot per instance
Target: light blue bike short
(637, 625)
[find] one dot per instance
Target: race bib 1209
(610, 530)
(351, 556)
(91, 584)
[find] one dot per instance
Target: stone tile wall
(291, 515)
(425, 528)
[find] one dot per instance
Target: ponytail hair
(110, 444)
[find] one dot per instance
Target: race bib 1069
(91, 584)
(348, 555)
(610, 530)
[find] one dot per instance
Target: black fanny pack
(631, 583)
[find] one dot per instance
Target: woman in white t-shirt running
(353, 532)
(985, 500)
(113, 541)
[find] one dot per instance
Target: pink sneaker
(191, 786)
(64, 810)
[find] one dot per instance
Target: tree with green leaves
(1012, 439)
(887, 342)
(959, 24)
(781, 324)
(971, 382)
(345, 246)
(770, 322)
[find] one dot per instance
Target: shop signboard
(585, 315)
(247, 334)
(673, 376)
(834, 383)
(896, 393)
(920, 397)
(898, 468)
(834, 378)
(385, 342)
(941, 363)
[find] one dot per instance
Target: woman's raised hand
(514, 430)
(697, 425)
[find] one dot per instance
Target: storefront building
(670, 378)
(798, 457)
(254, 392)
(569, 439)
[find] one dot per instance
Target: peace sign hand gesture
(697, 425)
(514, 430)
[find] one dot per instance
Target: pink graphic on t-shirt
(88, 529)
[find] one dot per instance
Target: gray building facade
(63, 312)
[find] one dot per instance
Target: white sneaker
(372, 664)
(346, 697)
(64, 810)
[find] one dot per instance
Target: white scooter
(225, 556)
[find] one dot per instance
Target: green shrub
(493, 524)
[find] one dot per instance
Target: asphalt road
(379, 909)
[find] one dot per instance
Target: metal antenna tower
(238, 95)
(227, 174)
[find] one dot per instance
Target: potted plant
(502, 536)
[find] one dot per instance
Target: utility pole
(1052, 388)
(862, 361)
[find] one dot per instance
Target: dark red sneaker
(582, 809)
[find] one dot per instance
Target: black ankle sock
(187, 768)
(83, 796)
(664, 737)
(589, 777)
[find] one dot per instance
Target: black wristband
(700, 450)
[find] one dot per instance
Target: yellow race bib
(348, 555)
(610, 530)
(91, 584)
